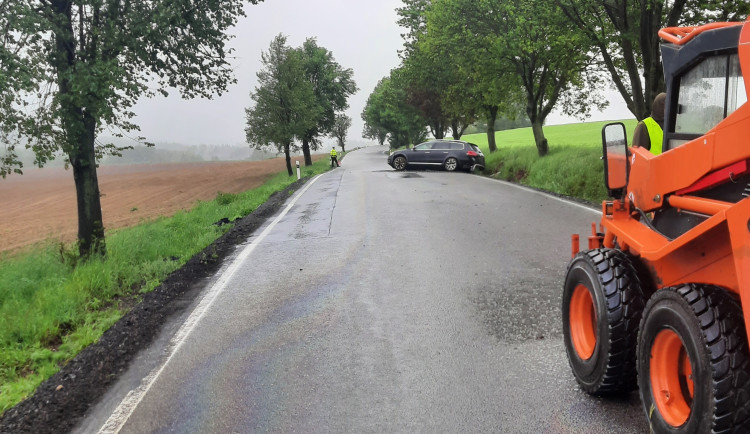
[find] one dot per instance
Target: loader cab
(704, 84)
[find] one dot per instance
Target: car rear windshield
(474, 147)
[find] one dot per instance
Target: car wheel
(399, 163)
(451, 164)
(693, 361)
(602, 306)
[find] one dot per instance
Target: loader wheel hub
(583, 322)
(671, 378)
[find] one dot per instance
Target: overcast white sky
(362, 34)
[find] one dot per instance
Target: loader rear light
(472, 154)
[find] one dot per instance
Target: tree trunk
(438, 130)
(306, 152)
(288, 156)
(653, 71)
(382, 137)
(90, 221)
(342, 144)
(541, 142)
(491, 118)
(80, 133)
(458, 128)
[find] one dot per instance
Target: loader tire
(693, 364)
(602, 306)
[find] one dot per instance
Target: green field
(572, 167)
(51, 308)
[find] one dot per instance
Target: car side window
(457, 146)
(423, 146)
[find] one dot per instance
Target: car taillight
(472, 154)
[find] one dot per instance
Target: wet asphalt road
(383, 301)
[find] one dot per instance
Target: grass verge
(572, 167)
(51, 308)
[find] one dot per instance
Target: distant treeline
(177, 153)
(164, 153)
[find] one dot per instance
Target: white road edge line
(127, 406)
(523, 187)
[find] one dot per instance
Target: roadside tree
(341, 129)
(332, 86)
(285, 106)
(485, 84)
(375, 133)
(413, 18)
(387, 108)
(625, 34)
(425, 78)
(556, 66)
(70, 69)
(516, 56)
(426, 75)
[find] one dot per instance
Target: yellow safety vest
(655, 134)
(333, 152)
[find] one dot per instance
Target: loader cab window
(709, 92)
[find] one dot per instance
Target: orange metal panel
(706, 258)
(652, 177)
(738, 221)
(617, 170)
(634, 234)
(702, 255)
(699, 204)
(729, 133)
(654, 246)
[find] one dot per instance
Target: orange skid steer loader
(661, 298)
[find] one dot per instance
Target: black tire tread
(720, 317)
(625, 303)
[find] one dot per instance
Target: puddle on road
(399, 175)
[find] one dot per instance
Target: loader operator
(649, 132)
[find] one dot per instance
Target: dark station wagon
(450, 154)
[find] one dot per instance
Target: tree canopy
(332, 86)
(285, 104)
(386, 109)
(71, 68)
(625, 35)
(341, 129)
(468, 60)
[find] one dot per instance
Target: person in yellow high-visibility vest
(649, 133)
(334, 158)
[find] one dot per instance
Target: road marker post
(298, 175)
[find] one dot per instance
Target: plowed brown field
(41, 203)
